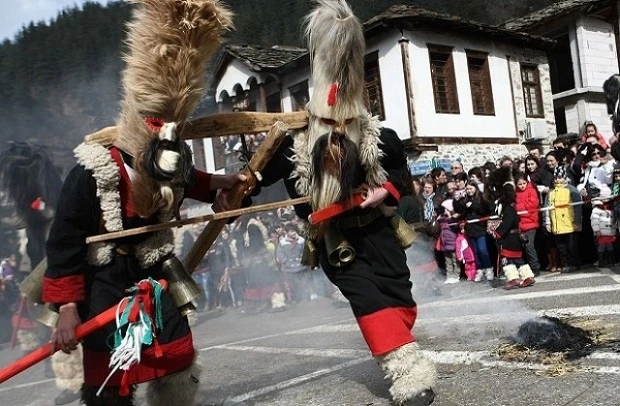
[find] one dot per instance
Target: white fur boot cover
(178, 389)
(511, 272)
(525, 272)
(69, 370)
(409, 371)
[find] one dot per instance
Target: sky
(17, 13)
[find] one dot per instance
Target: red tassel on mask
(333, 92)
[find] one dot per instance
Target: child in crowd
(527, 206)
(518, 273)
(465, 254)
(564, 220)
(448, 242)
(604, 227)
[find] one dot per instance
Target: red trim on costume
(261, 293)
(392, 190)
(201, 190)
(388, 329)
(177, 356)
(606, 239)
(335, 209)
(124, 186)
(64, 289)
(510, 253)
(154, 124)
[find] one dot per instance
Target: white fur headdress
(337, 47)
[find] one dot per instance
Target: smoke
(58, 114)
(471, 311)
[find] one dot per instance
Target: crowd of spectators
(566, 200)
(255, 265)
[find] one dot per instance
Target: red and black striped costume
(376, 283)
(71, 277)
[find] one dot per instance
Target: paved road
(313, 354)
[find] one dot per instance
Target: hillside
(61, 81)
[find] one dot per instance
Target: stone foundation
(472, 155)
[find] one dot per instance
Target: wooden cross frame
(219, 125)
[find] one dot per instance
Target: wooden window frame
(480, 83)
(297, 90)
(445, 92)
(530, 86)
(373, 91)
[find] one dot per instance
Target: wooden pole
(194, 220)
(81, 331)
(219, 125)
(258, 161)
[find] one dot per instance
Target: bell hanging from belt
(404, 232)
(310, 255)
(339, 251)
(32, 285)
(181, 285)
(45, 315)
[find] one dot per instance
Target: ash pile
(554, 344)
(554, 335)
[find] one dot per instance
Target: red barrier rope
(540, 209)
(81, 331)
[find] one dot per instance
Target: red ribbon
(333, 92)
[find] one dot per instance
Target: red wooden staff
(81, 331)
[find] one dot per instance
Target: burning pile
(554, 335)
(553, 342)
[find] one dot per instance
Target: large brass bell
(310, 255)
(339, 251)
(181, 285)
(405, 234)
(32, 285)
(45, 315)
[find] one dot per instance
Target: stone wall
(472, 155)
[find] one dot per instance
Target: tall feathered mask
(169, 44)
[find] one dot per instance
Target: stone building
(451, 88)
(586, 32)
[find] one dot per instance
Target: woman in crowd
(473, 206)
(477, 175)
(527, 204)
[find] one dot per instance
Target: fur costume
(344, 151)
(129, 176)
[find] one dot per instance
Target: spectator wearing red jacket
(528, 201)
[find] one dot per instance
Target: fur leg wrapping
(525, 272)
(277, 300)
(409, 372)
(109, 396)
(178, 389)
(68, 370)
(511, 272)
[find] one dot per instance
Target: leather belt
(357, 221)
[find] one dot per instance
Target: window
(531, 91)
(199, 154)
(444, 82)
(374, 95)
(274, 105)
(480, 83)
(299, 95)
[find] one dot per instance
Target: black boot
(423, 399)
(602, 260)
